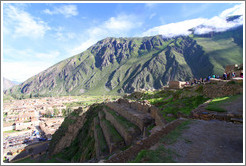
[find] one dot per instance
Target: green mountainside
(123, 65)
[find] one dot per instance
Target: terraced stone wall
(221, 89)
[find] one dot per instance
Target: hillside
(8, 84)
(123, 65)
(140, 127)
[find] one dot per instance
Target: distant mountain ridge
(8, 84)
(124, 65)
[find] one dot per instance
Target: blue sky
(39, 35)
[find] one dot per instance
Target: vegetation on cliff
(124, 65)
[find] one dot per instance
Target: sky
(39, 35)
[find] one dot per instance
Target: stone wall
(221, 89)
(155, 113)
(69, 135)
(127, 134)
(143, 107)
(97, 140)
(113, 145)
(176, 84)
(141, 120)
(96, 122)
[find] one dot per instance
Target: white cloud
(83, 46)
(12, 70)
(66, 10)
(150, 5)
(23, 24)
(174, 29)
(120, 23)
(152, 15)
(61, 35)
(20, 70)
(29, 54)
(217, 23)
(118, 26)
(236, 10)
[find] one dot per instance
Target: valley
(172, 95)
(150, 126)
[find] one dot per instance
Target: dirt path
(236, 106)
(210, 142)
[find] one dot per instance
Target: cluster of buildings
(27, 117)
(26, 113)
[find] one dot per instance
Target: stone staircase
(121, 124)
(131, 152)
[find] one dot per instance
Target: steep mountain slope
(122, 65)
(7, 83)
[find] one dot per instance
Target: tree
(63, 112)
(56, 111)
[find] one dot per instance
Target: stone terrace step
(127, 130)
(113, 138)
(132, 152)
(100, 142)
(140, 119)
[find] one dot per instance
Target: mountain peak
(124, 65)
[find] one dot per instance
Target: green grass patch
(102, 142)
(14, 131)
(123, 121)
(115, 135)
(160, 155)
(217, 103)
(150, 127)
(184, 106)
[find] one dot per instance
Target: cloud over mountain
(200, 25)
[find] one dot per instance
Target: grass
(160, 155)
(102, 142)
(115, 135)
(14, 131)
(123, 121)
(183, 106)
(86, 100)
(218, 103)
(150, 127)
(172, 102)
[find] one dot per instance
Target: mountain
(123, 65)
(8, 84)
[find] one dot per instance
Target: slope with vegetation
(124, 65)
